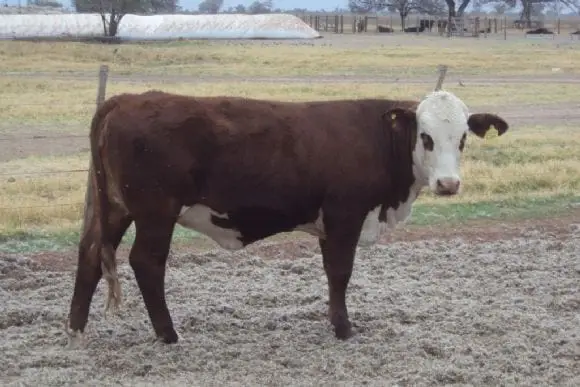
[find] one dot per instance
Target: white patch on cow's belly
(315, 228)
(198, 218)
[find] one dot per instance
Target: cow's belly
(199, 218)
(315, 228)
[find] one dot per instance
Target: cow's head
(441, 122)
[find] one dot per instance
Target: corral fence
(464, 26)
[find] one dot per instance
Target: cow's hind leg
(148, 258)
(89, 269)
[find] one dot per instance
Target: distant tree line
(453, 8)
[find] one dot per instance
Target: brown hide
(269, 165)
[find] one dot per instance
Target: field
(481, 289)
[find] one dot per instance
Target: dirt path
(491, 305)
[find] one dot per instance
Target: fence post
(101, 92)
(417, 25)
(504, 28)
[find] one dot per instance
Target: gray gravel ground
(426, 313)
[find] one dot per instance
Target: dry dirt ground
(480, 305)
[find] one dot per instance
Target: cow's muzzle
(447, 186)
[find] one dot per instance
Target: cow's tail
(104, 246)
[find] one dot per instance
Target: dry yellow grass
(402, 55)
(62, 101)
(533, 161)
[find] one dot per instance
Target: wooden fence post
(417, 25)
(504, 28)
(442, 72)
(101, 92)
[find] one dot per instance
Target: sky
(314, 5)
(284, 4)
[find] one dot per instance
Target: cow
(415, 29)
(384, 29)
(239, 170)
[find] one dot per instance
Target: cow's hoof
(343, 331)
(169, 336)
(76, 340)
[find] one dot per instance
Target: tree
(263, 6)
(45, 3)
(113, 11)
(531, 8)
(500, 8)
(240, 8)
(456, 12)
(210, 6)
(403, 7)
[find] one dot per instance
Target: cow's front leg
(338, 251)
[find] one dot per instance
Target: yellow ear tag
(393, 116)
(491, 133)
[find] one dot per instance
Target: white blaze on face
(442, 126)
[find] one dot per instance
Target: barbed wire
(5, 103)
(42, 137)
(42, 206)
(43, 172)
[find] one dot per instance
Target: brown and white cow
(239, 170)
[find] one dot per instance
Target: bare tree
(210, 6)
(263, 6)
(113, 11)
(530, 8)
(456, 12)
(402, 7)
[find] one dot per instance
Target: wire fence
(11, 176)
(470, 25)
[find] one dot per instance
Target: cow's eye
(462, 142)
(427, 141)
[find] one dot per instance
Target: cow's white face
(440, 125)
(442, 129)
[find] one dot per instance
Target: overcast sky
(328, 5)
(284, 4)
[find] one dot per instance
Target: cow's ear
(480, 123)
(398, 119)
